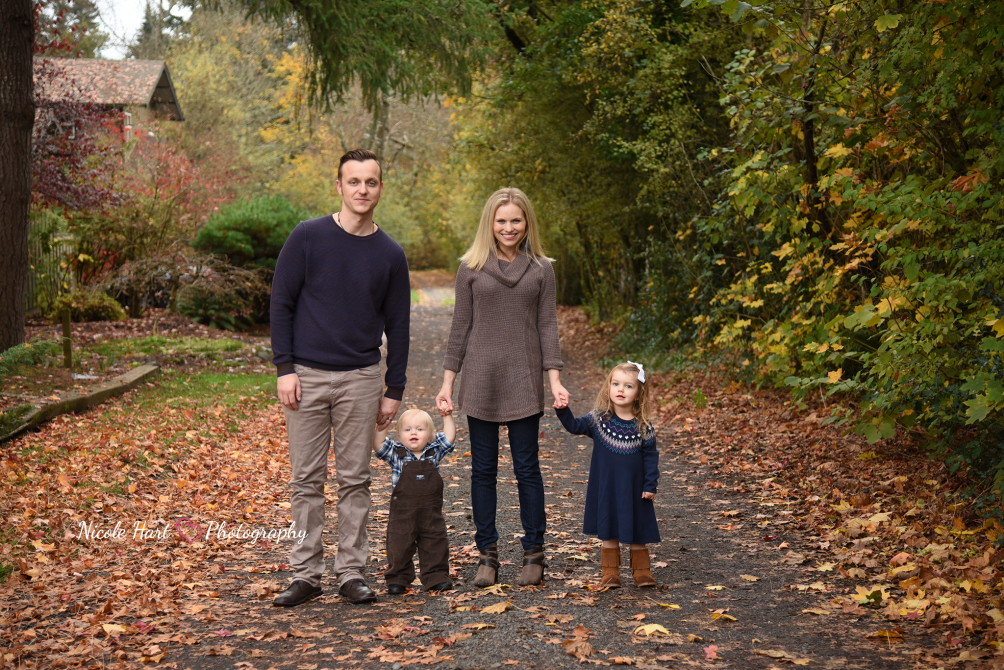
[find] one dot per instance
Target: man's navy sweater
(334, 294)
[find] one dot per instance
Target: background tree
(405, 48)
(79, 23)
(160, 26)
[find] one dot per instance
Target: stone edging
(72, 401)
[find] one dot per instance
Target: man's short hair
(361, 155)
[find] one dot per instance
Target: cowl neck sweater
(506, 272)
(504, 335)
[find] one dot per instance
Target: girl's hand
(648, 495)
(445, 412)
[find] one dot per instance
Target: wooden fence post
(67, 342)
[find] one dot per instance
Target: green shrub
(29, 353)
(250, 234)
(87, 305)
(224, 296)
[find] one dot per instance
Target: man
(340, 283)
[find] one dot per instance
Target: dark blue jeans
(484, 475)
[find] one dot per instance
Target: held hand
(647, 495)
(444, 401)
(289, 390)
(445, 412)
(388, 410)
(560, 396)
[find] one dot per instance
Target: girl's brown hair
(642, 411)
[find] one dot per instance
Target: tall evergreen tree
(79, 21)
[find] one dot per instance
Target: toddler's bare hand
(444, 411)
(648, 495)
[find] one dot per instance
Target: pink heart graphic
(190, 526)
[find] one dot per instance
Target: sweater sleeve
(290, 270)
(396, 310)
(575, 426)
(547, 321)
(463, 318)
(650, 459)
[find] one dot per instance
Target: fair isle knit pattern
(620, 436)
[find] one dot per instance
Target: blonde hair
(485, 246)
(642, 411)
(426, 419)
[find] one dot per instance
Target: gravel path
(707, 576)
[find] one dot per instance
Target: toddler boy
(416, 506)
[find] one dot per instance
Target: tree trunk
(381, 123)
(17, 115)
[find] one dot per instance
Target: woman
(505, 330)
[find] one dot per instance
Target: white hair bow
(641, 370)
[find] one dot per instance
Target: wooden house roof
(143, 83)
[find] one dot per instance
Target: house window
(127, 126)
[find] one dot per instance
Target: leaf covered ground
(785, 543)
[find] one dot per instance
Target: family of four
(341, 283)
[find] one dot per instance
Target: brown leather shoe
(642, 566)
(357, 592)
(297, 593)
(610, 561)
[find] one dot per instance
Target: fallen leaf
(497, 608)
(477, 626)
(651, 629)
(820, 612)
(749, 578)
(893, 635)
(711, 652)
(578, 647)
(781, 656)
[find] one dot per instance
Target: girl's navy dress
(625, 463)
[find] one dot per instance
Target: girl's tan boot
(642, 566)
(610, 561)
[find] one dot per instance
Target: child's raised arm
(379, 437)
(449, 425)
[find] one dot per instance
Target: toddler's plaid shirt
(434, 451)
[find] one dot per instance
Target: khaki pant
(345, 403)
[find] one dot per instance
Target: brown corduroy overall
(416, 522)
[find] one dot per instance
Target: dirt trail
(707, 600)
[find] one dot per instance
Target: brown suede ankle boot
(488, 568)
(642, 566)
(610, 561)
(533, 566)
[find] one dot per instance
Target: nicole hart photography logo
(191, 531)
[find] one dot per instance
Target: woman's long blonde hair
(485, 246)
(641, 408)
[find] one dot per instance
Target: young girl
(623, 474)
